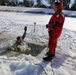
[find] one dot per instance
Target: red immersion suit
(55, 27)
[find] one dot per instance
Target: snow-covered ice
(12, 24)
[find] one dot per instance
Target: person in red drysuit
(55, 27)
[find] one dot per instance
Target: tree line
(38, 3)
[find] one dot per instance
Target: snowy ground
(12, 24)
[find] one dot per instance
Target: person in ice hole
(19, 44)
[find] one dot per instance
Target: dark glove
(25, 28)
(50, 31)
(47, 26)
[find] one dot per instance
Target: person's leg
(52, 46)
(10, 48)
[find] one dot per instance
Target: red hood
(60, 7)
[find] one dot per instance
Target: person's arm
(57, 24)
(49, 23)
(24, 34)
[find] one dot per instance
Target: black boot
(49, 57)
(47, 53)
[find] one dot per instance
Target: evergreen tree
(28, 3)
(73, 7)
(2, 2)
(39, 3)
(66, 4)
(50, 2)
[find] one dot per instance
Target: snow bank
(35, 10)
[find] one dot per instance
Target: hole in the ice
(36, 49)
